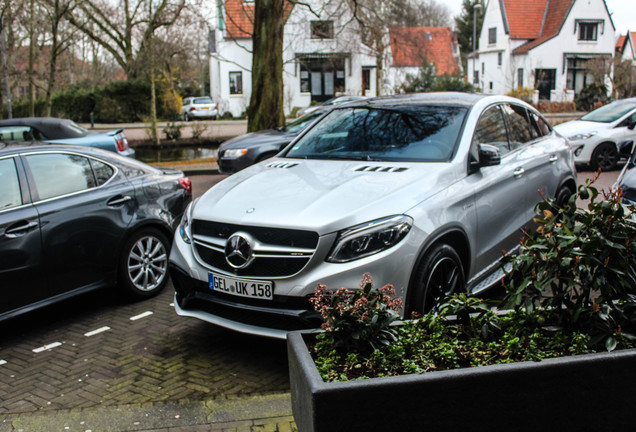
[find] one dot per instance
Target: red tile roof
(620, 42)
(412, 45)
(524, 18)
(555, 13)
(239, 17)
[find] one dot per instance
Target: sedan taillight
(186, 184)
(120, 144)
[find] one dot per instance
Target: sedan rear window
(60, 174)
(203, 100)
(413, 133)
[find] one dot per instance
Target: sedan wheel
(605, 157)
(440, 274)
(144, 266)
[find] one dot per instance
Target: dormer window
(588, 30)
(322, 29)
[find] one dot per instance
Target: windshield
(611, 112)
(203, 100)
(414, 133)
(300, 123)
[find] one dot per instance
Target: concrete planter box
(583, 393)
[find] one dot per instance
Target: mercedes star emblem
(239, 250)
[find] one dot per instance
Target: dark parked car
(63, 131)
(74, 219)
(246, 150)
(627, 177)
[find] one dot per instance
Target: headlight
(184, 226)
(582, 136)
(369, 238)
(234, 153)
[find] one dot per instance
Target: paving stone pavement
(96, 355)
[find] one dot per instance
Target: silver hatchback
(422, 191)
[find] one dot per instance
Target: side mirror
(488, 155)
(631, 125)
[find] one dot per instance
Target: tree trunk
(266, 103)
(31, 59)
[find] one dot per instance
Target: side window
(10, 191)
(491, 129)
(540, 124)
(57, 174)
(628, 121)
(521, 131)
(103, 172)
(18, 133)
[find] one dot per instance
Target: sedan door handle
(19, 229)
(518, 172)
(118, 200)
(553, 158)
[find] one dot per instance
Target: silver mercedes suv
(424, 192)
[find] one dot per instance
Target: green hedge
(116, 102)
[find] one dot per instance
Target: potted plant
(570, 291)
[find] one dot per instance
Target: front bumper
(290, 308)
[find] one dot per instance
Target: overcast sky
(623, 12)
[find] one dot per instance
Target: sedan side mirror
(488, 155)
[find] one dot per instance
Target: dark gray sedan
(74, 219)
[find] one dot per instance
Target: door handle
(19, 229)
(518, 172)
(553, 158)
(118, 200)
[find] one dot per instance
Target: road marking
(3, 362)
(98, 331)
(143, 315)
(47, 347)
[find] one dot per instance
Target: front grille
(295, 248)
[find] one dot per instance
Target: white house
(625, 46)
(322, 53)
(542, 44)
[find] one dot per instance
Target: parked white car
(422, 191)
(199, 107)
(595, 135)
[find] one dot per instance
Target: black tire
(214, 118)
(143, 266)
(186, 117)
(604, 157)
(439, 274)
(562, 197)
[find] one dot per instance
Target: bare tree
(124, 28)
(55, 11)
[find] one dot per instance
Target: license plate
(205, 107)
(242, 287)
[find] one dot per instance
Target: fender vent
(282, 164)
(388, 169)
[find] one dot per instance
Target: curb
(255, 413)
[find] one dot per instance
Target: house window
(236, 83)
(304, 81)
(322, 29)
(499, 59)
(545, 82)
(476, 77)
(492, 35)
(483, 68)
(520, 77)
(366, 80)
(588, 31)
(490, 85)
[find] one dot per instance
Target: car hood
(258, 138)
(575, 127)
(322, 196)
